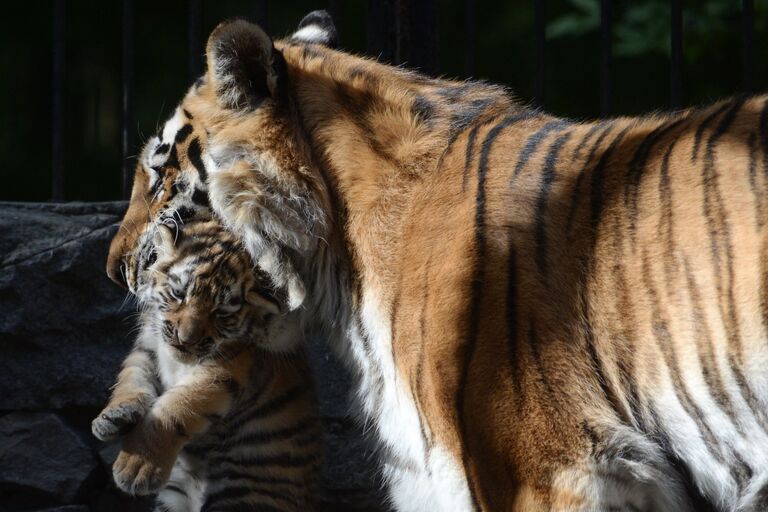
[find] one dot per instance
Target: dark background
(501, 50)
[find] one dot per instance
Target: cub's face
(205, 299)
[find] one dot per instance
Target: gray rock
(64, 329)
(66, 508)
(42, 461)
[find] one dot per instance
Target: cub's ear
(243, 65)
(254, 298)
(164, 239)
(317, 27)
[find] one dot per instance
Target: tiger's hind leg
(624, 472)
(182, 493)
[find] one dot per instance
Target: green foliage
(641, 28)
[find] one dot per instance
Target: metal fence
(397, 31)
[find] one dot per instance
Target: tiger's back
(613, 280)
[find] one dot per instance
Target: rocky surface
(64, 330)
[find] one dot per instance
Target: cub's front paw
(117, 419)
(139, 474)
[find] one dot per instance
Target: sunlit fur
(541, 314)
(211, 418)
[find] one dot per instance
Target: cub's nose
(189, 332)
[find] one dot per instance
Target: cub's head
(203, 295)
(232, 147)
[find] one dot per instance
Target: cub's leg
(183, 492)
(132, 396)
(150, 450)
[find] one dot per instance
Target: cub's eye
(229, 307)
(177, 295)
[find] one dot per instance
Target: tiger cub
(208, 416)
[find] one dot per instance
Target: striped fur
(542, 314)
(208, 417)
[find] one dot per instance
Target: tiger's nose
(116, 271)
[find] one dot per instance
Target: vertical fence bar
(676, 60)
(606, 35)
(195, 39)
(748, 35)
(421, 46)
(57, 141)
(262, 14)
(128, 118)
(382, 30)
(539, 28)
(333, 10)
(470, 37)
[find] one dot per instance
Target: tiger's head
(237, 120)
(203, 297)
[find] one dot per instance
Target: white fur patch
(312, 34)
(419, 478)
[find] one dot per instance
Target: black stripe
(764, 136)
(666, 216)
(477, 284)
(200, 197)
(535, 347)
(274, 406)
(596, 186)
(174, 488)
(665, 343)
(241, 474)
(418, 388)
(752, 171)
(282, 460)
(534, 141)
(195, 156)
(700, 130)
(594, 356)
(577, 192)
(183, 133)
(272, 436)
(468, 156)
(238, 492)
(709, 365)
(512, 312)
(587, 137)
(242, 507)
(172, 162)
(636, 170)
(548, 177)
(698, 501)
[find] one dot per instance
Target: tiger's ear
(243, 65)
(317, 27)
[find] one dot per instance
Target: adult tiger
(542, 314)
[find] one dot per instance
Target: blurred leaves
(641, 28)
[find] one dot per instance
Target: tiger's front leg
(133, 395)
(150, 450)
